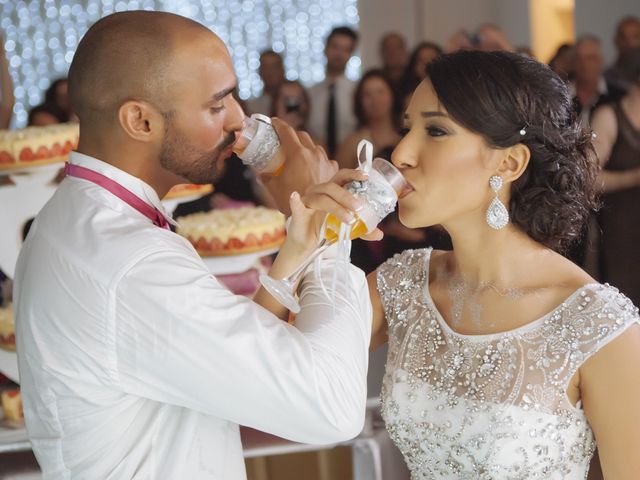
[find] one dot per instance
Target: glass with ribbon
(379, 195)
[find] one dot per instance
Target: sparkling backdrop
(41, 36)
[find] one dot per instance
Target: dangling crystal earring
(497, 213)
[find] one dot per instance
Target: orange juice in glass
(379, 195)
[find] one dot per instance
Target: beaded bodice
(489, 406)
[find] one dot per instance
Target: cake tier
(233, 231)
(187, 190)
(35, 146)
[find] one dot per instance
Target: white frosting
(13, 141)
(232, 223)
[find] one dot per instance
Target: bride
(506, 361)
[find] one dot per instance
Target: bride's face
(448, 166)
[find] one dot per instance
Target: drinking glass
(378, 194)
(258, 145)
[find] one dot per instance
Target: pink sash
(119, 191)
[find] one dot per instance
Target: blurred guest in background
(331, 117)
(487, 38)
(55, 108)
(42, 115)
(394, 56)
(563, 62)
(589, 91)
(271, 72)
(627, 38)
(491, 38)
(7, 98)
(589, 88)
(291, 104)
(617, 143)
(416, 70)
(373, 107)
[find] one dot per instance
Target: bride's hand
(309, 212)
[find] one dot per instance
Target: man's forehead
(203, 71)
(342, 39)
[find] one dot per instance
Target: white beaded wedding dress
(494, 407)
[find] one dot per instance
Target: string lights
(41, 37)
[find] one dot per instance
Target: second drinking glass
(379, 195)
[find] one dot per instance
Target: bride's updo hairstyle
(509, 99)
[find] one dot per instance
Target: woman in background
(373, 108)
(617, 143)
(422, 55)
(55, 108)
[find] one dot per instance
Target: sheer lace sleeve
(398, 279)
(596, 317)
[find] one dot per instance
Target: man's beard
(181, 158)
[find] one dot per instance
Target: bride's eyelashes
(435, 131)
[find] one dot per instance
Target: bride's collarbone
(480, 309)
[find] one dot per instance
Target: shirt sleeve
(184, 339)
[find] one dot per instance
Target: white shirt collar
(130, 182)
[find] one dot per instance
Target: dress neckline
(489, 336)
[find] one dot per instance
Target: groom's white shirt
(135, 362)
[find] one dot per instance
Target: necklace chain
(464, 294)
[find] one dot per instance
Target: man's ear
(514, 163)
(140, 120)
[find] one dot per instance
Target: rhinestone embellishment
(497, 213)
(489, 406)
(495, 183)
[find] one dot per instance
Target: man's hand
(306, 164)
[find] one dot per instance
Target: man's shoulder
(102, 243)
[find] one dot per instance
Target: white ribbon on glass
(342, 259)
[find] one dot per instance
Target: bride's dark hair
(498, 94)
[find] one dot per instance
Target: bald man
(135, 362)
